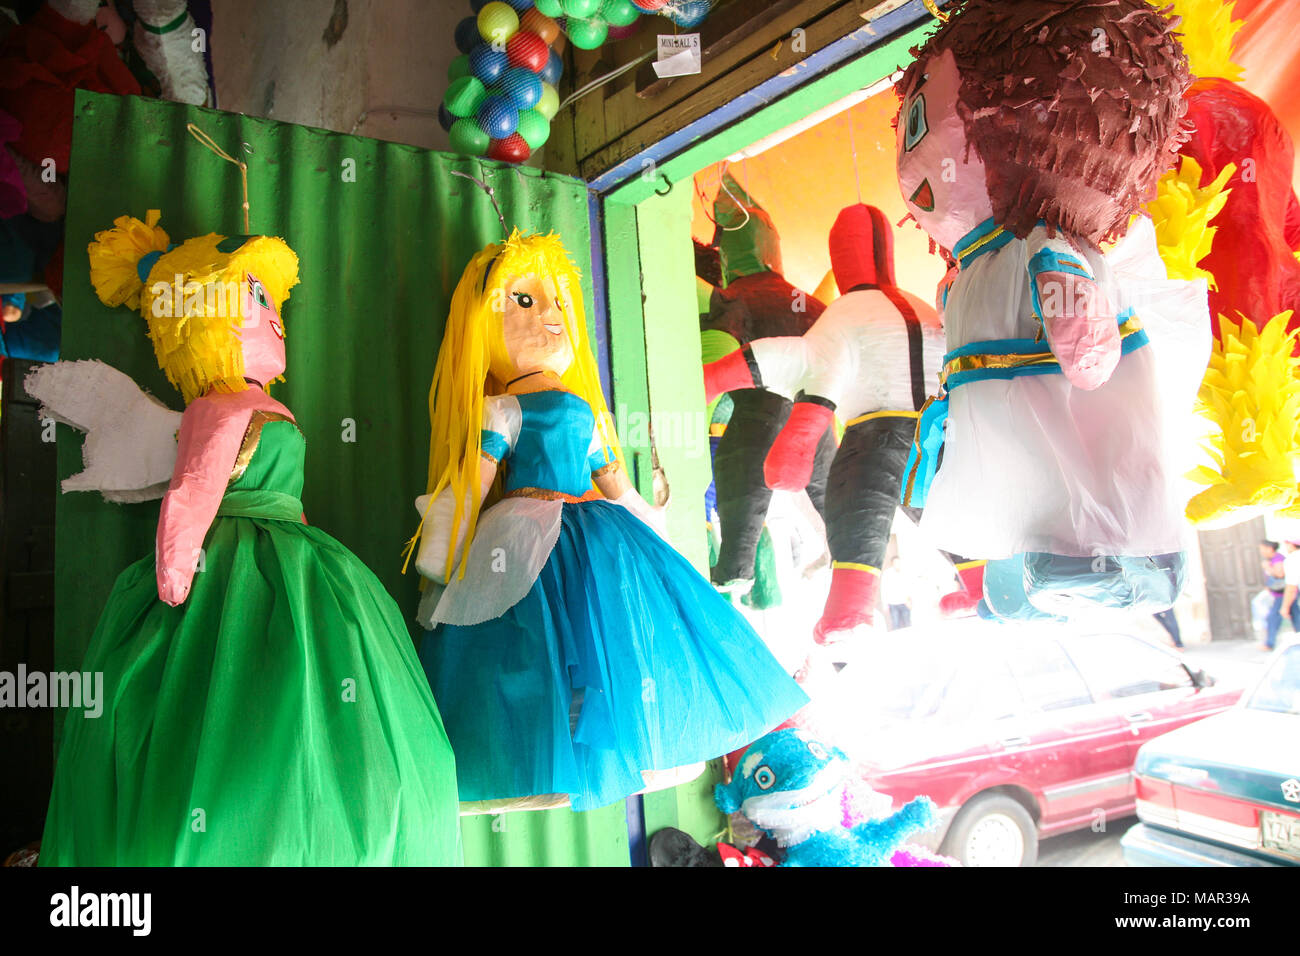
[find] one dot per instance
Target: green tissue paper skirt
(279, 716)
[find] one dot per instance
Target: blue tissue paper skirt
(622, 658)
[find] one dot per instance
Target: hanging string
(492, 196)
(853, 150)
(211, 144)
(722, 184)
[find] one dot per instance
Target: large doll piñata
(574, 650)
(1029, 133)
(755, 302)
(265, 704)
(872, 358)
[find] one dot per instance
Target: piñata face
(534, 327)
(261, 334)
(942, 180)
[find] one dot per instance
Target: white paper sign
(679, 55)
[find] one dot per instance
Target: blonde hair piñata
(190, 296)
(472, 344)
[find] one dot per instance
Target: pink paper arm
(1081, 328)
(212, 430)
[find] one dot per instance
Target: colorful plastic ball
(580, 9)
(534, 128)
(690, 14)
(587, 34)
(497, 22)
(551, 8)
(619, 13)
(520, 6)
(549, 104)
(488, 64)
(467, 34)
(498, 116)
(445, 119)
(528, 50)
(522, 87)
(511, 149)
(468, 137)
(648, 6)
(537, 22)
(553, 70)
(465, 96)
(459, 67)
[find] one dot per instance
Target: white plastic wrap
(130, 446)
(171, 56)
(1035, 464)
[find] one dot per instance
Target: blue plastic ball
(553, 70)
(467, 35)
(498, 116)
(487, 64)
(445, 119)
(690, 14)
(477, 5)
(520, 6)
(522, 87)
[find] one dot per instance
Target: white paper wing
(130, 446)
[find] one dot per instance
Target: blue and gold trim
(994, 359)
(986, 237)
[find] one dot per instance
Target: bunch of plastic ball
(502, 96)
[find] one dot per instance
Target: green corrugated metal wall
(380, 256)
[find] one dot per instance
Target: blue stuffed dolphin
(793, 788)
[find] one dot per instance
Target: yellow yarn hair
(1208, 31)
(1251, 394)
(472, 344)
(196, 340)
(1181, 212)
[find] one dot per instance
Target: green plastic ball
(465, 95)
(534, 128)
(497, 22)
(549, 104)
(552, 8)
(619, 13)
(587, 34)
(580, 9)
(459, 67)
(467, 137)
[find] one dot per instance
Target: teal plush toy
(796, 789)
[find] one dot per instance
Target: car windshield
(1279, 691)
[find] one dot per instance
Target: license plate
(1280, 833)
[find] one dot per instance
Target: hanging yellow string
(210, 143)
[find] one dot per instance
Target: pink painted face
(533, 327)
(945, 190)
(261, 334)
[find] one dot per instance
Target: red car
(1017, 732)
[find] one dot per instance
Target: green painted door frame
(654, 338)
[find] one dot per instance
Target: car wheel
(993, 830)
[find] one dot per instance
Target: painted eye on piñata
(524, 299)
(259, 294)
(916, 126)
(764, 777)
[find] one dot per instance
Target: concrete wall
(376, 67)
